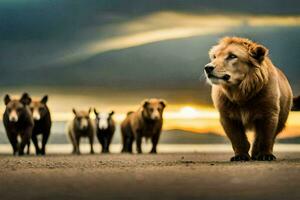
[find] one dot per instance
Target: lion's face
(231, 61)
(229, 64)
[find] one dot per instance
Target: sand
(162, 176)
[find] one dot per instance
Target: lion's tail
(296, 104)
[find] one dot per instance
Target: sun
(188, 112)
(191, 112)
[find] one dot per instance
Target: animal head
(39, 108)
(16, 107)
(237, 62)
(103, 120)
(82, 119)
(153, 108)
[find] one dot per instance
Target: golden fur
(146, 122)
(250, 93)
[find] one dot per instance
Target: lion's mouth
(226, 77)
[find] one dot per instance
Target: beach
(198, 175)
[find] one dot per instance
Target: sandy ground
(162, 176)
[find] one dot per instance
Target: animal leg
(127, 136)
(154, 140)
(28, 148)
(73, 141)
(77, 143)
(14, 142)
(36, 145)
(235, 131)
(25, 138)
(105, 145)
(139, 143)
(265, 132)
(91, 139)
(44, 142)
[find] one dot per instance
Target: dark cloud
(34, 34)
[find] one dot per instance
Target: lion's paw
(240, 158)
(264, 157)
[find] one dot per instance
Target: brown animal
(18, 121)
(146, 122)
(250, 93)
(81, 126)
(42, 123)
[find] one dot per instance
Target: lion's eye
(214, 56)
(231, 56)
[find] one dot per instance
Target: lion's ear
(259, 53)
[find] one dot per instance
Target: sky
(118, 42)
(112, 54)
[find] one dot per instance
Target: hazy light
(184, 112)
(189, 112)
(161, 26)
(138, 39)
(184, 117)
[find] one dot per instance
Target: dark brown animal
(42, 123)
(18, 121)
(146, 122)
(81, 126)
(250, 93)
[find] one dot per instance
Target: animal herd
(24, 119)
(249, 92)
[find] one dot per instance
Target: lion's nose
(209, 68)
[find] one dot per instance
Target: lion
(250, 93)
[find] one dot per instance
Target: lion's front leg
(235, 131)
(265, 133)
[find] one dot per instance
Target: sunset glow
(190, 112)
(190, 118)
